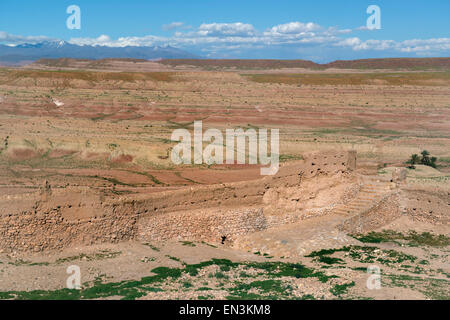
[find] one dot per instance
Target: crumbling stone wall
(427, 206)
(202, 225)
(54, 219)
(384, 212)
(42, 230)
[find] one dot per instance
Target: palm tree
(414, 158)
(433, 162)
(425, 158)
(425, 153)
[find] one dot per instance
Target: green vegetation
(330, 260)
(259, 280)
(148, 175)
(272, 287)
(152, 247)
(220, 275)
(436, 289)
(341, 289)
(209, 245)
(289, 157)
(188, 243)
(21, 262)
(173, 258)
(268, 289)
(425, 159)
(364, 255)
(412, 238)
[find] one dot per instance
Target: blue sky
(320, 30)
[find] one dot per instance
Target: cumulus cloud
(105, 40)
(414, 45)
(424, 45)
(172, 26)
(100, 40)
(213, 37)
(8, 38)
(226, 29)
(223, 39)
(295, 28)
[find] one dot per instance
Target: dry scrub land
(105, 127)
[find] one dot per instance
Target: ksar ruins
(87, 180)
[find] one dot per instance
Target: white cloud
(222, 39)
(426, 45)
(295, 28)
(419, 46)
(172, 26)
(105, 40)
(350, 42)
(17, 39)
(226, 29)
(214, 37)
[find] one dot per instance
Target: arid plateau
(87, 179)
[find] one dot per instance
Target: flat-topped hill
(387, 63)
(125, 64)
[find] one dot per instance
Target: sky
(320, 30)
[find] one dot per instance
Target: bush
(425, 159)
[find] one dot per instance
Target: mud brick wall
(202, 225)
(427, 206)
(59, 218)
(386, 211)
(44, 230)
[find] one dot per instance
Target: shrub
(425, 160)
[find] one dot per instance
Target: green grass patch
(365, 255)
(152, 247)
(188, 243)
(436, 289)
(412, 238)
(340, 289)
(269, 287)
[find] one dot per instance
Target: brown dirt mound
(95, 155)
(123, 158)
(22, 154)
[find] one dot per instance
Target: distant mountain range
(23, 53)
(170, 56)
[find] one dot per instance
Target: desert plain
(86, 179)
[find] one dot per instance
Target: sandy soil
(112, 134)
